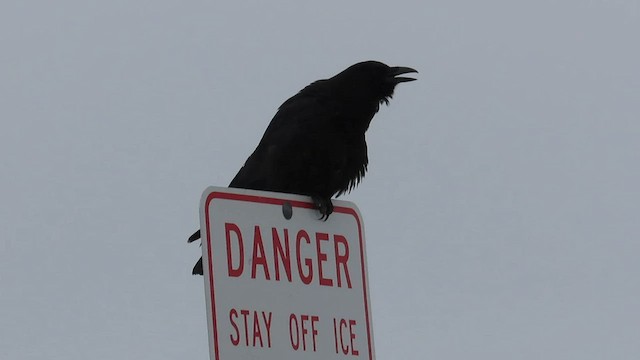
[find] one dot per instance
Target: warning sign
(280, 283)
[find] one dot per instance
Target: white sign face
(283, 289)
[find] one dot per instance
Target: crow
(315, 144)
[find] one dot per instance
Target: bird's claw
(325, 206)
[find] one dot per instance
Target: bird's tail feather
(197, 270)
(194, 237)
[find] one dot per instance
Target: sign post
(280, 283)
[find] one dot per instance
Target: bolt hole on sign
(280, 283)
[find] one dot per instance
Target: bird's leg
(324, 205)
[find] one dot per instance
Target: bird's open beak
(399, 70)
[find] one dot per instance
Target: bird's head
(373, 80)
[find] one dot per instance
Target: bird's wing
(297, 148)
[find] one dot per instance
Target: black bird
(315, 144)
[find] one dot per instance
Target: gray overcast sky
(501, 206)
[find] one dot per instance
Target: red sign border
(295, 204)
